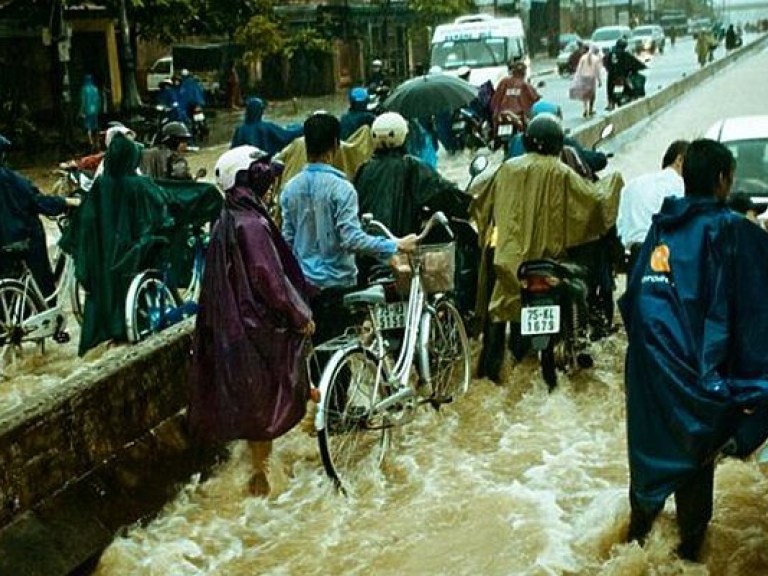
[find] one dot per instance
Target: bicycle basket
(438, 265)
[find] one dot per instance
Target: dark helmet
(544, 135)
(175, 131)
(621, 43)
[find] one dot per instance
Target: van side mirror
(478, 165)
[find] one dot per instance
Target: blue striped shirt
(320, 223)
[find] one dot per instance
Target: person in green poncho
(121, 230)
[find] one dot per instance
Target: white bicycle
(403, 354)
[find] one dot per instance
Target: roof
(739, 128)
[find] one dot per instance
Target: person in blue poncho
(358, 113)
(263, 134)
(697, 361)
(90, 105)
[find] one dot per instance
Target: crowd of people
(276, 273)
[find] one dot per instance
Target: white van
(482, 42)
(161, 70)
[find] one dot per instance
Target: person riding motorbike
(358, 113)
(21, 205)
(593, 159)
(621, 65)
(512, 99)
(377, 79)
(534, 207)
(167, 161)
(263, 134)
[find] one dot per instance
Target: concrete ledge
(109, 448)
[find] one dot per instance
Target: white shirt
(641, 198)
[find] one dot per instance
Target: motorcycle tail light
(538, 284)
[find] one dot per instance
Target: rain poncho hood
(540, 207)
(255, 131)
(695, 314)
(248, 378)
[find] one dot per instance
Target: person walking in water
(248, 378)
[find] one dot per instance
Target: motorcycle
(507, 125)
(71, 180)
(376, 97)
(628, 88)
(470, 130)
(198, 124)
(554, 315)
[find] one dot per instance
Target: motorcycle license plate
(458, 126)
(199, 117)
(618, 89)
(505, 130)
(536, 320)
(391, 316)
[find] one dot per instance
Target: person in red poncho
(248, 378)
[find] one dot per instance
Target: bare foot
(258, 485)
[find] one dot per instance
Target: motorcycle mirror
(541, 84)
(479, 163)
(606, 132)
(201, 173)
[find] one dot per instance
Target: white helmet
(389, 130)
(232, 162)
(377, 63)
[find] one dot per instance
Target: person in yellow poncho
(533, 206)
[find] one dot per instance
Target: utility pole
(131, 99)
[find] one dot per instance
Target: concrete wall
(110, 447)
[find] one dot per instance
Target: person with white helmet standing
(400, 189)
(247, 379)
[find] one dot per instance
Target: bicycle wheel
(77, 301)
(17, 305)
(147, 305)
(449, 358)
(350, 441)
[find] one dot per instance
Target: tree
(430, 12)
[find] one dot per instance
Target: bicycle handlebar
(436, 218)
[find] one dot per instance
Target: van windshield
(475, 53)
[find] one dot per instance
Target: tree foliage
(261, 37)
(432, 12)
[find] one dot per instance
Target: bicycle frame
(52, 320)
(414, 346)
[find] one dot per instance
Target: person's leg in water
(258, 485)
(693, 501)
(641, 519)
(492, 353)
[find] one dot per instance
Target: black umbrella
(429, 95)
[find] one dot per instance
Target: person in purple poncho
(248, 378)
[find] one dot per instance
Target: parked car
(567, 38)
(649, 38)
(161, 70)
(605, 37)
(747, 138)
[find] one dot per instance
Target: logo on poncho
(660, 259)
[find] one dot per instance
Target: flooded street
(509, 480)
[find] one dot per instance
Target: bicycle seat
(371, 295)
(16, 248)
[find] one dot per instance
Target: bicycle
(364, 389)
(152, 304)
(26, 314)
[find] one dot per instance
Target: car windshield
(642, 31)
(474, 53)
(604, 35)
(751, 165)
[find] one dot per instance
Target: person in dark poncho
(21, 204)
(697, 357)
(265, 135)
(119, 231)
(248, 378)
